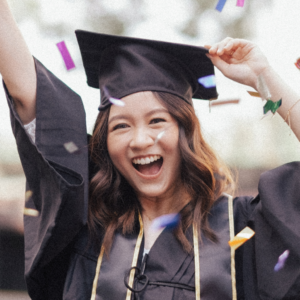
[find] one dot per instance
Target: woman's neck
(158, 206)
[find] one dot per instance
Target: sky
(276, 32)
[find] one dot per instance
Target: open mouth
(149, 165)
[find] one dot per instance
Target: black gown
(61, 260)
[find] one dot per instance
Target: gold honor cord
(135, 256)
(197, 261)
(134, 261)
(232, 250)
(94, 290)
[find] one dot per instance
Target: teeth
(146, 160)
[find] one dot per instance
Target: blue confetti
(169, 221)
(281, 260)
(208, 81)
(220, 5)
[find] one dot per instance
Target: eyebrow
(151, 112)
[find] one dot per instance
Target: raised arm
(242, 61)
(17, 65)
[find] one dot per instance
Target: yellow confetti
(28, 195)
(254, 94)
(243, 236)
(31, 212)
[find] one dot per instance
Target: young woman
(147, 158)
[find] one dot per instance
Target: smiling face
(142, 142)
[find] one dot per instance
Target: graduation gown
(61, 261)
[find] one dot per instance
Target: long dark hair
(113, 204)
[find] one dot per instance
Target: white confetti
(117, 102)
(71, 147)
(263, 89)
(159, 136)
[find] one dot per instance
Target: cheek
(171, 142)
(115, 150)
(117, 147)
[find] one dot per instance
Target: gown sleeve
(57, 179)
(277, 228)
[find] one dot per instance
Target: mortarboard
(121, 66)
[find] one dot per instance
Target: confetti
(272, 106)
(220, 5)
(113, 100)
(281, 260)
(240, 3)
(297, 63)
(65, 55)
(28, 195)
(169, 221)
(31, 212)
(243, 236)
(71, 147)
(208, 81)
(159, 136)
(262, 88)
(117, 102)
(235, 101)
(254, 94)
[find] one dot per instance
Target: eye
(157, 120)
(120, 126)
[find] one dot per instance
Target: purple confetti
(281, 260)
(240, 3)
(208, 81)
(169, 221)
(66, 55)
(220, 5)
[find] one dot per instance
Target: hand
(239, 60)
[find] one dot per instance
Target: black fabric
(60, 261)
(122, 65)
(58, 179)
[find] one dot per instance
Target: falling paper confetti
(31, 212)
(208, 81)
(262, 88)
(28, 195)
(243, 236)
(240, 3)
(297, 63)
(235, 101)
(220, 5)
(281, 260)
(169, 221)
(71, 147)
(159, 136)
(254, 94)
(272, 106)
(112, 100)
(117, 102)
(65, 55)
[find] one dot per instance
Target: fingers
(227, 46)
(218, 62)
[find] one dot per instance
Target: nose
(141, 139)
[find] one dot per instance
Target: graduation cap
(121, 66)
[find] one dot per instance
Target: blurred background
(248, 143)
